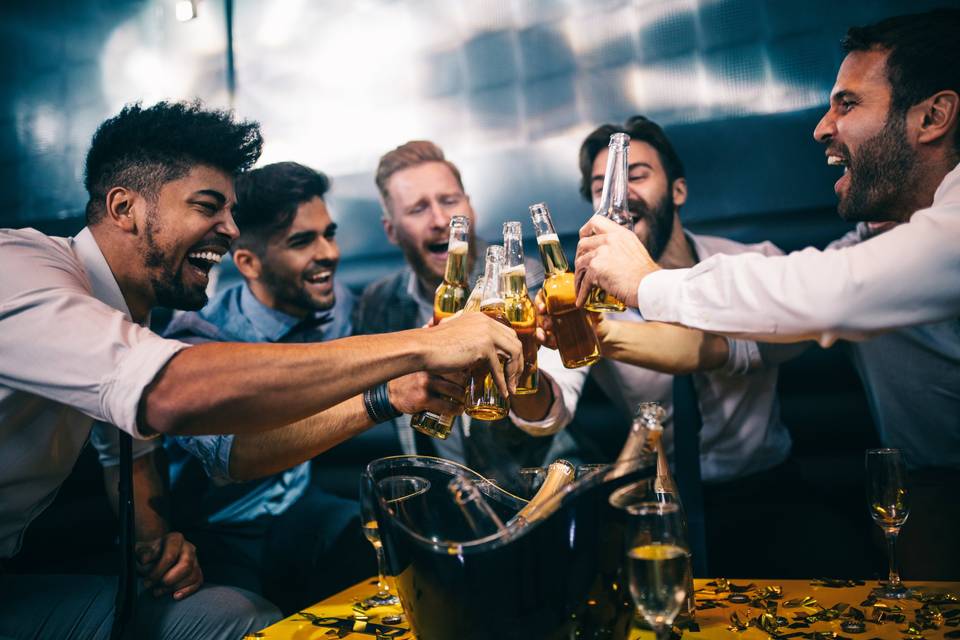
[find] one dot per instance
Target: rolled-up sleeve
(61, 343)
(105, 438)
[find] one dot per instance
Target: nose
(439, 216)
(228, 227)
(327, 251)
(826, 129)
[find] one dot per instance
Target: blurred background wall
(507, 87)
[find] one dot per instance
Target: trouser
(312, 550)
(64, 607)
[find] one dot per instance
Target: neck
(920, 194)
(265, 297)
(427, 288)
(128, 270)
(677, 254)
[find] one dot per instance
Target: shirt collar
(102, 281)
(274, 325)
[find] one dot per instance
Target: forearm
(535, 406)
(246, 388)
(149, 494)
(257, 455)
(661, 347)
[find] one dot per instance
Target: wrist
(376, 401)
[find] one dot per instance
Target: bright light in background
(186, 10)
(153, 57)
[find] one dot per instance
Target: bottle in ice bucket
(613, 205)
(576, 340)
(451, 297)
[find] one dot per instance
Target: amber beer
(576, 340)
(451, 297)
(519, 307)
(613, 205)
(484, 400)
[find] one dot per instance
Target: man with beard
(75, 350)
(420, 190)
(743, 443)
(251, 509)
(892, 126)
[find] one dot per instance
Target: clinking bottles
(519, 307)
(613, 205)
(451, 296)
(646, 436)
(576, 340)
(484, 400)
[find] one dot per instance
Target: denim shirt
(200, 465)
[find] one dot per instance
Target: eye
(330, 235)
(847, 105)
(451, 200)
(207, 208)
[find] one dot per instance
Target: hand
(613, 258)
(422, 391)
(471, 339)
(169, 564)
(544, 331)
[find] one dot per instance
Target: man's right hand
(472, 339)
(422, 391)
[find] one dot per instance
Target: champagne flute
(658, 563)
(889, 506)
(394, 490)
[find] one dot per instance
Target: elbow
(162, 413)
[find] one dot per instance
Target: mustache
(212, 244)
(321, 265)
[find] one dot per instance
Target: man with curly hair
(160, 216)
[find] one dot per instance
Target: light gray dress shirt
(70, 355)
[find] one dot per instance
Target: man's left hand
(169, 565)
(613, 258)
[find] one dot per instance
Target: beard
(659, 221)
(292, 294)
(878, 173)
(166, 279)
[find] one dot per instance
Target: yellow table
(336, 613)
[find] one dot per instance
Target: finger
(444, 388)
(172, 545)
(583, 284)
(182, 593)
(180, 574)
(589, 245)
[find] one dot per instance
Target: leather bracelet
(377, 403)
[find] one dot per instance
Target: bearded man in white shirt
(75, 349)
(893, 125)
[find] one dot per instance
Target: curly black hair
(638, 128)
(268, 198)
(144, 148)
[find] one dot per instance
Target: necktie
(687, 423)
(127, 580)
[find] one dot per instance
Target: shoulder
(376, 311)
(715, 244)
(30, 260)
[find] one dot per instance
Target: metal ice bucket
(561, 577)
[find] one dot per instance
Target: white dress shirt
(742, 432)
(907, 276)
(70, 355)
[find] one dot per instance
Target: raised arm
(662, 347)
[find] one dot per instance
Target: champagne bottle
(450, 297)
(519, 306)
(613, 205)
(646, 436)
(484, 400)
(560, 474)
(576, 340)
(481, 519)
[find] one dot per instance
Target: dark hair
(143, 149)
(924, 54)
(410, 154)
(268, 197)
(638, 128)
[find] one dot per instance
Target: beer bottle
(613, 205)
(576, 340)
(519, 306)
(451, 296)
(559, 474)
(484, 400)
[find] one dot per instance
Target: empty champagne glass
(658, 563)
(394, 490)
(887, 498)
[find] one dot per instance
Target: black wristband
(377, 403)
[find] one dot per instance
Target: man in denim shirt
(248, 502)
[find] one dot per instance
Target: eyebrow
(631, 167)
(843, 93)
(211, 193)
(301, 235)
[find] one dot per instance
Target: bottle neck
(613, 198)
(456, 269)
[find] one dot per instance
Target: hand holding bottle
(422, 391)
(613, 258)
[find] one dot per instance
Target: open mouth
(203, 261)
(437, 248)
(835, 160)
(319, 277)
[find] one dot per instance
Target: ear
(388, 227)
(248, 264)
(679, 192)
(120, 204)
(938, 117)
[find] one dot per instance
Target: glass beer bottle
(451, 297)
(613, 205)
(519, 306)
(484, 400)
(576, 340)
